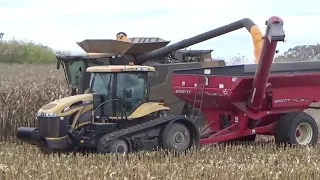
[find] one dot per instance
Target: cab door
(131, 89)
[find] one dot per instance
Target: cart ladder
(198, 98)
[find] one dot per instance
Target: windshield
(134, 82)
(132, 87)
(102, 83)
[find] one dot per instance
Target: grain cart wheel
(176, 137)
(280, 136)
(297, 128)
(116, 146)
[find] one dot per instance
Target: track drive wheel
(296, 128)
(116, 146)
(176, 136)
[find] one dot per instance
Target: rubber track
(133, 129)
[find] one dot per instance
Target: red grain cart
(242, 101)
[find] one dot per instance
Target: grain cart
(242, 101)
(151, 51)
(118, 113)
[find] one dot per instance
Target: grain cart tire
(176, 136)
(116, 146)
(281, 137)
(297, 128)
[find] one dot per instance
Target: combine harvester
(152, 51)
(117, 115)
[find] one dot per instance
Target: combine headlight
(51, 114)
(46, 114)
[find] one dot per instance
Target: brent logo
(183, 91)
(281, 100)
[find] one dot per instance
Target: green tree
(19, 51)
(300, 53)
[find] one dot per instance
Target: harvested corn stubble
(237, 162)
(26, 88)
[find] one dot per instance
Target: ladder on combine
(198, 98)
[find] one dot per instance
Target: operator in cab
(121, 36)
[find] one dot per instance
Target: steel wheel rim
(122, 146)
(178, 138)
(304, 134)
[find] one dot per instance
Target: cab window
(102, 83)
(131, 87)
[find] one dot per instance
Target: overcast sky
(60, 24)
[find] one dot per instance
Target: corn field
(23, 90)
(26, 88)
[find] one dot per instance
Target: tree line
(19, 51)
(297, 53)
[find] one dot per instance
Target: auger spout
(274, 33)
(246, 22)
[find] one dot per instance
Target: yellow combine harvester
(117, 98)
